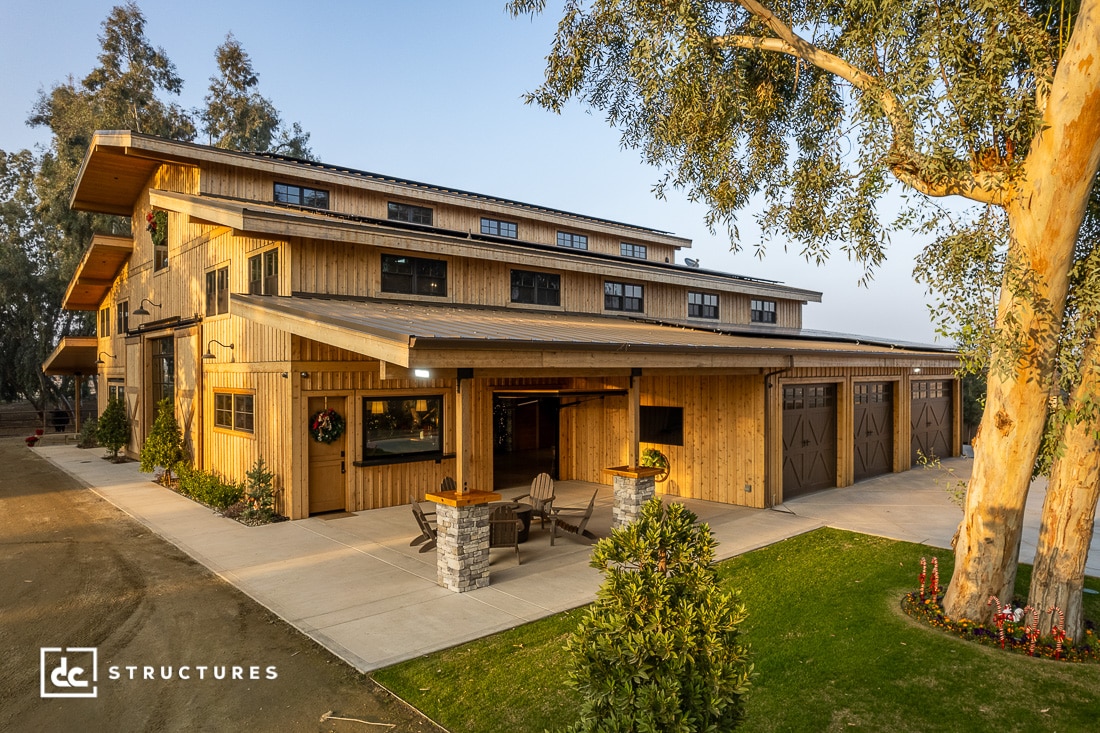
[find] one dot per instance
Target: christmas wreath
(326, 426)
(156, 223)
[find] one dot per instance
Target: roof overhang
(75, 355)
(441, 336)
(96, 273)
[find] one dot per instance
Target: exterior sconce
(99, 361)
(141, 307)
(210, 354)
(916, 370)
(422, 374)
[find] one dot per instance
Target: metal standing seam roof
(422, 324)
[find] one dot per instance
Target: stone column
(634, 486)
(462, 539)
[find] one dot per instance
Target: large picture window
(662, 425)
(402, 428)
(414, 275)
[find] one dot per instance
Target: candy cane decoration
(1003, 614)
(935, 578)
(1031, 631)
(923, 574)
(1058, 631)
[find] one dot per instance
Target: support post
(634, 486)
(634, 421)
(462, 538)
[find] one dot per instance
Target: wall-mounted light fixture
(916, 370)
(210, 354)
(422, 373)
(99, 361)
(141, 307)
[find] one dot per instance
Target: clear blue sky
(432, 91)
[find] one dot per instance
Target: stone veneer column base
(462, 539)
(634, 486)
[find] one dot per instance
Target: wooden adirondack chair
(540, 497)
(573, 520)
(427, 531)
(504, 529)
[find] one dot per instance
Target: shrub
(88, 434)
(259, 492)
(164, 444)
(659, 649)
(206, 488)
(113, 427)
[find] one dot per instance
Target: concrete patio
(352, 582)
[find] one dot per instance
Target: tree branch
(981, 185)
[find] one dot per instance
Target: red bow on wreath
(326, 426)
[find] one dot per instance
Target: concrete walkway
(353, 584)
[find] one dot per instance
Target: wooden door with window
(327, 462)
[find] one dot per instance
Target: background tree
(237, 117)
(991, 100)
(659, 650)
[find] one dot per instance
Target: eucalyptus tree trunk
(1069, 509)
(1045, 209)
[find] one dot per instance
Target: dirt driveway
(169, 636)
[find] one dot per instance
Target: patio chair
(427, 531)
(504, 529)
(540, 497)
(448, 484)
(573, 521)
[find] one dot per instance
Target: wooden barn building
(464, 335)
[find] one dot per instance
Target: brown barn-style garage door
(931, 424)
(809, 438)
(873, 442)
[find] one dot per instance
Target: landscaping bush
(659, 650)
(207, 488)
(88, 434)
(113, 427)
(164, 444)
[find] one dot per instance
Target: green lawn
(831, 647)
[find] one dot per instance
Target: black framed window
(762, 311)
(234, 411)
(637, 251)
(122, 317)
(623, 297)
(164, 370)
(498, 228)
(536, 288)
(702, 305)
(263, 273)
(572, 240)
(105, 322)
(408, 212)
(661, 425)
(402, 428)
(217, 291)
(116, 390)
(414, 275)
(295, 195)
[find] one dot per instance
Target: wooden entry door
(873, 440)
(809, 438)
(327, 462)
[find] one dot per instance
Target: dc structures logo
(69, 671)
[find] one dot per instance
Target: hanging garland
(326, 426)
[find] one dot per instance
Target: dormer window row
(295, 195)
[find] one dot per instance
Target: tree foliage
(113, 427)
(660, 648)
(237, 117)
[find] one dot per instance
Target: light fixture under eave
(210, 353)
(422, 373)
(141, 307)
(99, 361)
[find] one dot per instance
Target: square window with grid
(762, 311)
(414, 275)
(623, 297)
(637, 251)
(294, 195)
(536, 288)
(702, 305)
(234, 411)
(497, 228)
(409, 213)
(573, 241)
